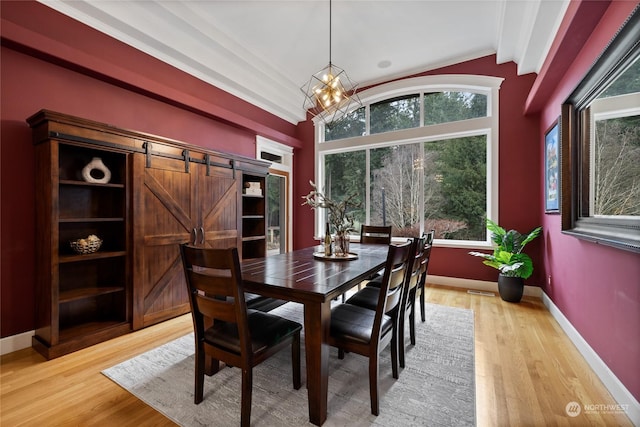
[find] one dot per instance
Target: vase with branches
(340, 214)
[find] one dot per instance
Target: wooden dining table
(301, 277)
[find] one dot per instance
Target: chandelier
(330, 93)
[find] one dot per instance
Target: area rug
(436, 388)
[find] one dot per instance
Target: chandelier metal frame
(330, 93)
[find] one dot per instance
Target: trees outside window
(353, 124)
(443, 107)
(395, 114)
(344, 176)
(617, 167)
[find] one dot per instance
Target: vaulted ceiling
(263, 51)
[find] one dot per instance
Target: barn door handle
(202, 231)
(195, 235)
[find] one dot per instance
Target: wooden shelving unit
(254, 225)
(82, 298)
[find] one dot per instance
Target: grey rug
(437, 387)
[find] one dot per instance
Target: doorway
(277, 184)
(279, 191)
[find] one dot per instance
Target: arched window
(421, 154)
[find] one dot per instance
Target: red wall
(520, 181)
(52, 62)
(596, 287)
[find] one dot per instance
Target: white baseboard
(478, 285)
(620, 393)
(16, 342)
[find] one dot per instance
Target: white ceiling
(263, 51)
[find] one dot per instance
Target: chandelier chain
(330, 32)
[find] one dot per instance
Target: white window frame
(489, 126)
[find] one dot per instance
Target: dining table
(307, 277)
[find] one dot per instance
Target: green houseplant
(513, 264)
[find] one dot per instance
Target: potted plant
(340, 217)
(508, 258)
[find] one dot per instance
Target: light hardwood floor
(527, 371)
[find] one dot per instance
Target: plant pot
(510, 288)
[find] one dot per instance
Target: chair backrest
(414, 270)
(393, 279)
(375, 234)
(426, 254)
(215, 289)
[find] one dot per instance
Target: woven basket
(85, 247)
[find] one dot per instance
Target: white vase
(103, 175)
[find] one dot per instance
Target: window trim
(489, 126)
(624, 232)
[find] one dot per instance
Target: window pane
(395, 114)
(345, 175)
(455, 178)
(443, 107)
(350, 125)
(450, 174)
(617, 167)
(395, 189)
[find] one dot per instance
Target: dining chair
(408, 305)
(416, 290)
(367, 332)
(225, 330)
(424, 266)
(368, 296)
(375, 234)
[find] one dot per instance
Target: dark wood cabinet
(161, 193)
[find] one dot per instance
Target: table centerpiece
(340, 216)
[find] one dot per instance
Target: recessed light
(384, 64)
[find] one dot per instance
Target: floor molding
(618, 391)
(16, 342)
(478, 285)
